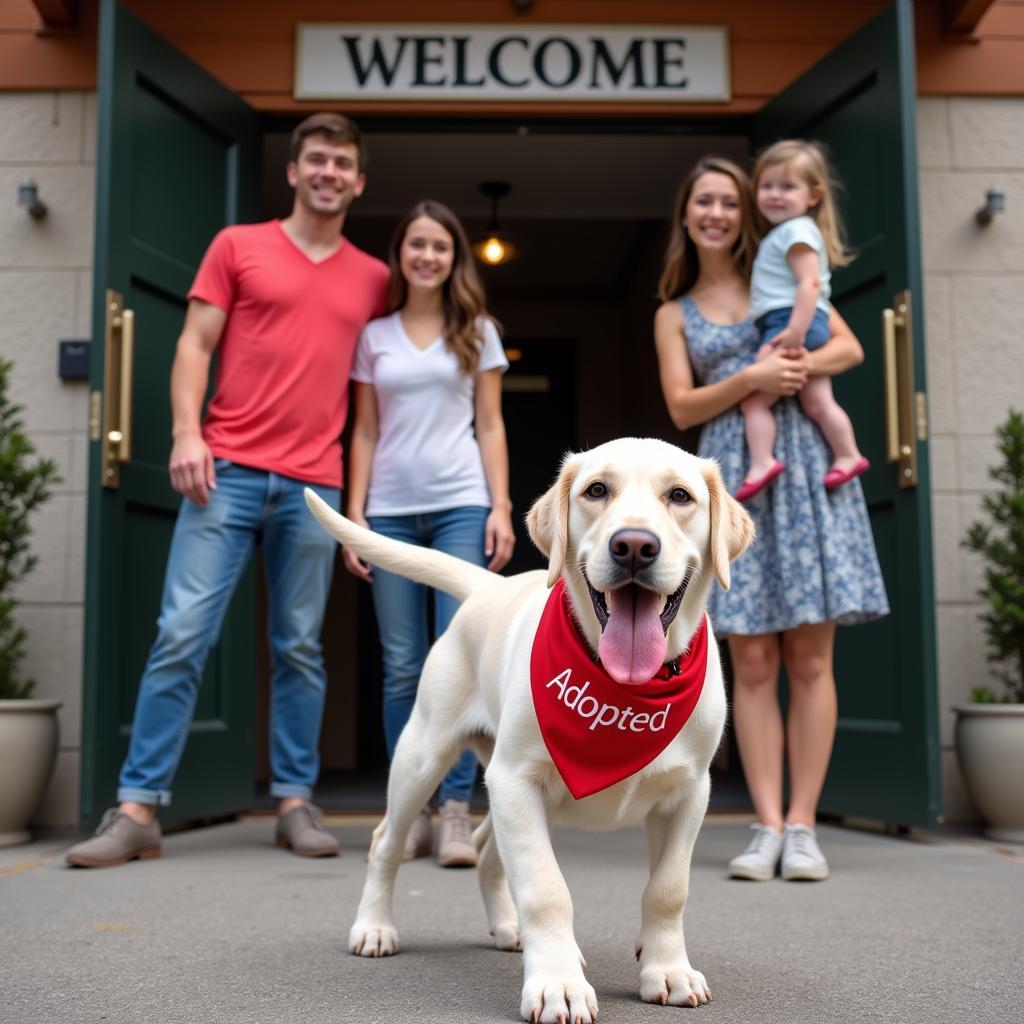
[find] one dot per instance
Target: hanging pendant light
(495, 248)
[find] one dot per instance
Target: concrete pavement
(226, 928)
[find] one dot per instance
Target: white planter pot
(990, 746)
(28, 748)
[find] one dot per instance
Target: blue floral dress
(814, 557)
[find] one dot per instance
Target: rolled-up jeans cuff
(451, 794)
(286, 789)
(160, 798)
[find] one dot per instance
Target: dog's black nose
(634, 549)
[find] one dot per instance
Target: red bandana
(598, 731)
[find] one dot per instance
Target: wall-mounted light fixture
(28, 196)
(495, 248)
(995, 202)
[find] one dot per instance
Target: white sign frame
(512, 62)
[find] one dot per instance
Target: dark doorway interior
(589, 208)
(539, 404)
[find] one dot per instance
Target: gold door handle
(118, 371)
(124, 449)
(904, 407)
(892, 401)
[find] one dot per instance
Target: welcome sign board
(647, 64)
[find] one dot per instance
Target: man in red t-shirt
(282, 303)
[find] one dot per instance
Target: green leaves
(24, 485)
(1000, 543)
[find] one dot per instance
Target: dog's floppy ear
(732, 529)
(548, 520)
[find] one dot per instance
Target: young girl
(428, 464)
(789, 292)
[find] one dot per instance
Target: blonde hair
(682, 265)
(811, 161)
(465, 307)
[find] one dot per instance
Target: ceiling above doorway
(580, 202)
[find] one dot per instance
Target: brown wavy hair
(465, 307)
(811, 161)
(682, 266)
(336, 128)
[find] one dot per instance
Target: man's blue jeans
(401, 607)
(211, 547)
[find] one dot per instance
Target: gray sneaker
(302, 831)
(757, 863)
(802, 859)
(118, 839)
(455, 847)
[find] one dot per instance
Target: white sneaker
(420, 841)
(758, 861)
(455, 847)
(802, 859)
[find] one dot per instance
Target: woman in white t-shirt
(428, 464)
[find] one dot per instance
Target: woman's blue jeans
(211, 547)
(401, 608)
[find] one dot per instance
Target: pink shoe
(752, 487)
(837, 477)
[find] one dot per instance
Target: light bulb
(493, 250)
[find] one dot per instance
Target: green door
(860, 101)
(178, 158)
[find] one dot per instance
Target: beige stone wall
(974, 299)
(45, 296)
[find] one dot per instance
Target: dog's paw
(551, 1000)
(506, 936)
(373, 941)
(674, 986)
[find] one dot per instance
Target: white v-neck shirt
(427, 458)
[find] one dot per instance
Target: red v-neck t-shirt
(281, 395)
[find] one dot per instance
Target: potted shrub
(28, 728)
(990, 728)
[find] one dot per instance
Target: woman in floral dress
(813, 565)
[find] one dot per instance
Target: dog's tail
(436, 569)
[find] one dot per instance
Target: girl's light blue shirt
(772, 283)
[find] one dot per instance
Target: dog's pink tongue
(633, 644)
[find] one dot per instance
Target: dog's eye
(680, 496)
(596, 490)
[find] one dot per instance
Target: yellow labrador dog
(637, 530)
